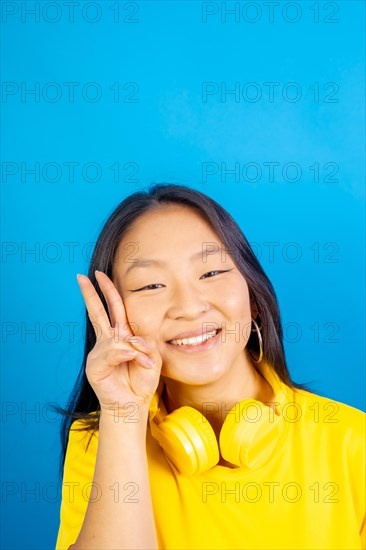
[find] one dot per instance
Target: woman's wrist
(130, 416)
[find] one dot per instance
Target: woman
(189, 432)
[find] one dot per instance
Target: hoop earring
(257, 330)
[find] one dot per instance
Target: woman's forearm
(121, 516)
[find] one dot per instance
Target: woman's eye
(222, 271)
(146, 287)
(149, 287)
(212, 272)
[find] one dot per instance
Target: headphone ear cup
(248, 438)
(188, 440)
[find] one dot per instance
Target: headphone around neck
(248, 436)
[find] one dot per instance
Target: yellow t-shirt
(309, 495)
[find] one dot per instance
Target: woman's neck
(216, 399)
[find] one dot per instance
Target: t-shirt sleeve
(77, 483)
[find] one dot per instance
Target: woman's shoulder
(335, 417)
(311, 399)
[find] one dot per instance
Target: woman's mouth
(196, 344)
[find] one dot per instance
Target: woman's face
(184, 295)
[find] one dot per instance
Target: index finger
(94, 305)
(116, 307)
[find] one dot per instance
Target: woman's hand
(117, 377)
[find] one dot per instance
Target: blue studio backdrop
(260, 105)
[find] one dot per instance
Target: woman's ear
(253, 309)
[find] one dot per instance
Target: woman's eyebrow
(145, 262)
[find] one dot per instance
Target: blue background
(168, 134)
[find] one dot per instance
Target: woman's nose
(188, 303)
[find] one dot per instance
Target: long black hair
(83, 402)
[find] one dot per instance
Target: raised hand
(119, 366)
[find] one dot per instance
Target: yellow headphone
(246, 439)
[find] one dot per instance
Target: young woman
(188, 431)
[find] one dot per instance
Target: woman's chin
(192, 374)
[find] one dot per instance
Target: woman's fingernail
(143, 342)
(130, 352)
(149, 361)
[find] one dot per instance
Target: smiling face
(196, 287)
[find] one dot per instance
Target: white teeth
(195, 341)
